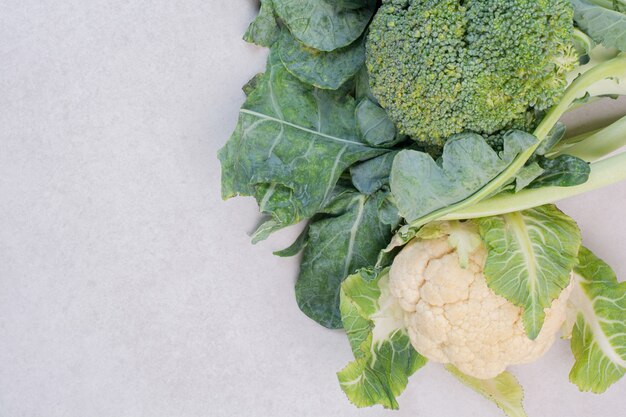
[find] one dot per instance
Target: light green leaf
(599, 335)
(348, 239)
(531, 254)
(327, 70)
(384, 355)
(527, 175)
(325, 25)
(604, 25)
(503, 390)
(263, 30)
(291, 144)
(420, 185)
(370, 176)
(375, 126)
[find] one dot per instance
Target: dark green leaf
(328, 70)
(562, 171)
(290, 146)
(325, 25)
(375, 126)
(370, 176)
(263, 30)
(338, 246)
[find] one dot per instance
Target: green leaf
(555, 136)
(370, 176)
(599, 335)
(420, 185)
(604, 25)
(325, 25)
(263, 30)
(384, 356)
(562, 171)
(327, 70)
(527, 175)
(531, 254)
(338, 246)
(375, 126)
(503, 390)
(291, 144)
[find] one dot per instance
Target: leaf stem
(603, 173)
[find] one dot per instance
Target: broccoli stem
(603, 173)
(614, 68)
(594, 145)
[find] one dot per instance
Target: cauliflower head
(441, 67)
(453, 317)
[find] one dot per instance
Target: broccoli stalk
(602, 173)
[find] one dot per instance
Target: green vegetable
(599, 334)
(531, 254)
(504, 390)
(348, 236)
(603, 20)
(291, 145)
(384, 357)
(421, 143)
(325, 25)
(441, 67)
(421, 186)
(264, 30)
(327, 70)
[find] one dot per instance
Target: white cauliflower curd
(453, 317)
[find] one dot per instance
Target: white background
(127, 287)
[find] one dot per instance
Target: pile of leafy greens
(314, 144)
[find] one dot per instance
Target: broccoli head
(440, 67)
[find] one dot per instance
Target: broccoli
(441, 67)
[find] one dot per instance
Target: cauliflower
(453, 317)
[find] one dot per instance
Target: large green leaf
(326, 25)
(384, 356)
(291, 144)
(349, 238)
(531, 254)
(264, 29)
(328, 70)
(420, 185)
(503, 390)
(599, 335)
(605, 25)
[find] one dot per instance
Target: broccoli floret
(441, 67)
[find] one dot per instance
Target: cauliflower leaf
(599, 334)
(531, 254)
(384, 357)
(504, 390)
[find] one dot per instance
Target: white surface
(127, 287)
